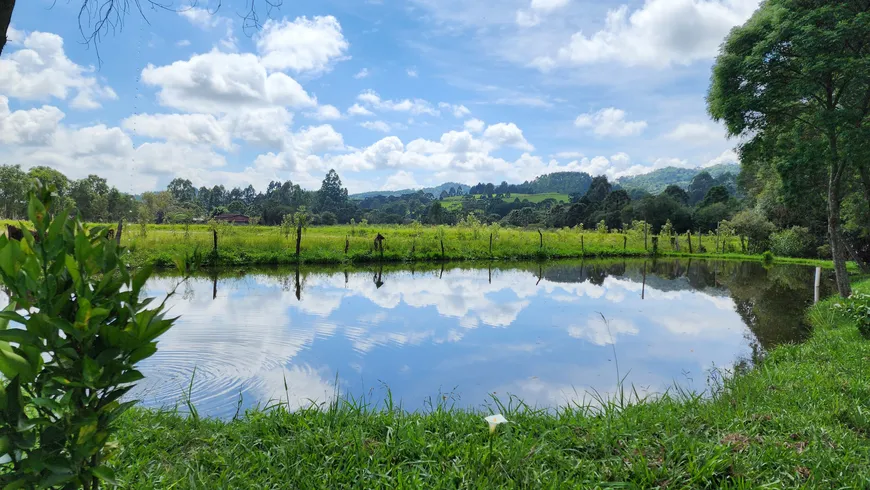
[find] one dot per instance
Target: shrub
(84, 329)
(857, 308)
(796, 241)
(767, 257)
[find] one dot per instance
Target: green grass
(799, 420)
(261, 245)
(453, 203)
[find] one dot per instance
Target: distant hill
(561, 183)
(436, 191)
(657, 180)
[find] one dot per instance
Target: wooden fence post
(644, 235)
(624, 243)
(442, 252)
(490, 244)
(717, 241)
(215, 240)
(542, 239)
(120, 228)
(346, 244)
(689, 237)
(582, 247)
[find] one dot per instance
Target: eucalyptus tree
(799, 70)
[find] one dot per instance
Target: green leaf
(47, 403)
(105, 473)
(35, 211)
(9, 255)
(7, 314)
(130, 376)
(12, 364)
(73, 268)
(23, 337)
(143, 352)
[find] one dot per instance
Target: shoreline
(797, 419)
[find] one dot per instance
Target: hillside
(657, 180)
(435, 191)
(453, 203)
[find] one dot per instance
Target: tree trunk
(6, 7)
(865, 181)
(838, 251)
(298, 240)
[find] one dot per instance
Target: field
(799, 420)
(453, 203)
(326, 244)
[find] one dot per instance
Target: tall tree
(14, 185)
(182, 190)
(800, 67)
(331, 196)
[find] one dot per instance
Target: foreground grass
(799, 420)
(261, 245)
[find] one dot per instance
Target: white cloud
(568, 154)
(459, 111)
(301, 45)
(266, 127)
(601, 332)
(362, 73)
(532, 16)
(474, 125)
(659, 34)
(358, 110)
(376, 126)
(697, 133)
(415, 106)
(182, 128)
(223, 82)
(200, 17)
(28, 127)
(325, 113)
(727, 156)
(412, 73)
(183, 43)
(14, 36)
(610, 122)
(400, 180)
(40, 70)
(507, 134)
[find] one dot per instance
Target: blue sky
(391, 94)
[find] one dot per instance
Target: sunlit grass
(799, 420)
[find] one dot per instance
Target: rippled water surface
(545, 333)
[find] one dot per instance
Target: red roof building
(232, 218)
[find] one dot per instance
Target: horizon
(392, 96)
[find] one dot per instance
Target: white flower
(494, 421)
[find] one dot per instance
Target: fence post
(346, 244)
(542, 239)
(120, 228)
(442, 252)
(624, 243)
(689, 237)
(490, 244)
(644, 235)
(582, 247)
(215, 240)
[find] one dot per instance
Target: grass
(261, 245)
(799, 420)
(453, 203)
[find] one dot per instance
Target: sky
(391, 94)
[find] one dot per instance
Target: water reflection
(544, 332)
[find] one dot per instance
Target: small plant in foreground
(83, 328)
(857, 308)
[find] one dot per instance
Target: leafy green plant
(767, 257)
(796, 241)
(82, 327)
(857, 308)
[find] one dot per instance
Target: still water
(545, 333)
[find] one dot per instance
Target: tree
(699, 186)
(678, 194)
(14, 184)
(716, 194)
(237, 207)
(156, 205)
(599, 189)
(799, 67)
(91, 197)
(108, 15)
(182, 190)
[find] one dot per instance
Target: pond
(551, 334)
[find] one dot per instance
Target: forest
(785, 217)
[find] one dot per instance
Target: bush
(767, 257)
(64, 373)
(857, 308)
(824, 251)
(796, 241)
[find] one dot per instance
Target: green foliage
(288, 223)
(767, 257)
(857, 309)
(753, 225)
(83, 329)
(796, 241)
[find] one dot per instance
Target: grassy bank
(800, 419)
(326, 245)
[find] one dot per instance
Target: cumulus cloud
(400, 180)
(568, 154)
(325, 113)
(302, 45)
(376, 126)
(659, 34)
(459, 111)
(219, 82)
(362, 73)
(40, 70)
(183, 128)
(532, 16)
(31, 127)
(415, 106)
(474, 125)
(507, 134)
(609, 122)
(358, 110)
